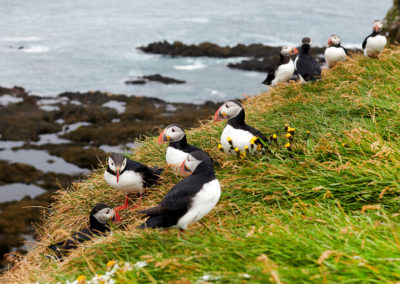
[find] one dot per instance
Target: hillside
(325, 211)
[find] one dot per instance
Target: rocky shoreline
(259, 57)
(49, 142)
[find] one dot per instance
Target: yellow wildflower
(274, 136)
(287, 145)
(81, 279)
(288, 135)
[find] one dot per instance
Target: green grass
(325, 211)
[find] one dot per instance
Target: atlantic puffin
(374, 44)
(99, 219)
(129, 176)
(307, 67)
(178, 147)
(334, 53)
(237, 136)
(284, 70)
(190, 199)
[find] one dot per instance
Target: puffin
(237, 136)
(129, 176)
(374, 44)
(284, 70)
(178, 147)
(190, 199)
(99, 219)
(334, 53)
(307, 67)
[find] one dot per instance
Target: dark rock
(135, 82)
(209, 49)
(155, 78)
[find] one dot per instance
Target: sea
(49, 47)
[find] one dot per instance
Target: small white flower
(208, 277)
(140, 264)
(356, 257)
(245, 275)
(127, 267)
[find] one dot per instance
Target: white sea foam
(196, 20)
(19, 39)
(36, 49)
(195, 66)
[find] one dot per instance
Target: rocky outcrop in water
(155, 78)
(261, 57)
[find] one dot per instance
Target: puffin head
(334, 40)
(117, 163)
(193, 160)
(287, 51)
(101, 214)
(306, 40)
(228, 110)
(172, 133)
(377, 25)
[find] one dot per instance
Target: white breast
(334, 55)
(203, 202)
(375, 45)
(129, 181)
(240, 139)
(175, 157)
(283, 73)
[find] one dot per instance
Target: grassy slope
(293, 216)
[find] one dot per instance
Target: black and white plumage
(189, 200)
(129, 176)
(284, 70)
(334, 53)
(374, 44)
(307, 67)
(178, 148)
(237, 135)
(98, 225)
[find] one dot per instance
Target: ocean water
(72, 45)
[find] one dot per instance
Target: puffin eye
(227, 106)
(173, 130)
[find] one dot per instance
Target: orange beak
(117, 175)
(294, 50)
(162, 139)
(184, 169)
(117, 217)
(329, 42)
(217, 115)
(376, 28)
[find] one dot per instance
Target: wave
(195, 66)
(36, 49)
(19, 39)
(196, 20)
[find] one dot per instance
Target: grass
(325, 211)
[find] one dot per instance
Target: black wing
(150, 175)
(63, 247)
(365, 41)
(308, 68)
(345, 51)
